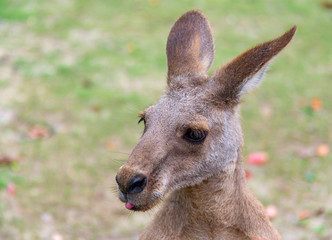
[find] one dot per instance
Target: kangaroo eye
(195, 136)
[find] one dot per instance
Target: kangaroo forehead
(185, 107)
(185, 101)
(173, 117)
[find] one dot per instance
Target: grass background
(84, 69)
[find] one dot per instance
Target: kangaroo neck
(225, 201)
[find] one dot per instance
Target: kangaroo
(189, 155)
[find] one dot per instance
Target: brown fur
(251, 62)
(203, 184)
(193, 31)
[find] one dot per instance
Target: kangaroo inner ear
(190, 48)
(245, 72)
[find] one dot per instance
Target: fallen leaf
(316, 104)
(111, 145)
(39, 132)
(271, 211)
(319, 211)
(327, 4)
(322, 150)
(5, 160)
(257, 158)
(87, 83)
(11, 189)
(130, 47)
(303, 214)
(248, 174)
(96, 108)
(153, 3)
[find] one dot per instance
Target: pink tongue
(129, 205)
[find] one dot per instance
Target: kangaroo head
(193, 132)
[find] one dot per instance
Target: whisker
(133, 109)
(120, 152)
(117, 162)
(131, 214)
(114, 189)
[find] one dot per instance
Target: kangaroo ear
(245, 72)
(190, 48)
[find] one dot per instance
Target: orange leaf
(271, 211)
(111, 145)
(304, 214)
(322, 150)
(248, 174)
(316, 104)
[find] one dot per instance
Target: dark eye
(195, 136)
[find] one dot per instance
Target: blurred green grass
(84, 69)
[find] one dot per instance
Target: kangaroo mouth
(137, 202)
(138, 208)
(141, 207)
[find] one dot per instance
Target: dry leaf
(130, 47)
(111, 145)
(316, 104)
(154, 3)
(303, 214)
(96, 108)
(257, 158)
(322, 150)
(39, 132)
(5, 160)
(319, 211)
(11, 189)
(327, 4)
(248, 174)
(271, 211)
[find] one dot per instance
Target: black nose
(137, 184)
